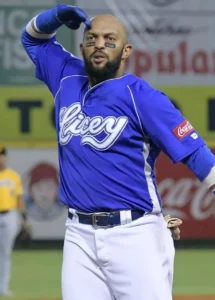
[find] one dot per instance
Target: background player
(116, 238)
(10, 201)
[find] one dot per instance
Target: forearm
(21, 204)
(22, 207)
(202, 164)
(41, 29)
(44, 25)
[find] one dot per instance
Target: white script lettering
(73, 122)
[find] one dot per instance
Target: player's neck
(94, 81)
(2, 169)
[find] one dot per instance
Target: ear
(127, 51)
(81, 48)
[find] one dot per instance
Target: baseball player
(111, 127)
(10, 201)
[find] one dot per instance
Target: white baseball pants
(8, 232)
(128, 262)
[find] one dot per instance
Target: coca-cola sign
(185, 197)
(183, 129)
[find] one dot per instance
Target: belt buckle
(94, 220)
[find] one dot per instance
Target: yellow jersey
(10, 189)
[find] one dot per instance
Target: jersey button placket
(90, 100)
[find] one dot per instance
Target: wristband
(47, 21)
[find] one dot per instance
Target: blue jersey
(110, 135)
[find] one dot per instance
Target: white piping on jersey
(135, 108)
(146, 147)
(58, 44)
(147, 167)
(149, 181)
(63, 80)
(91, 88)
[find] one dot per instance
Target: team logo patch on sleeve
(183, 129)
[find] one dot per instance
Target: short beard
(107, 72)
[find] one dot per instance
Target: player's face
(100, 64)
(44, 193)
(103, 51)
(3, 161)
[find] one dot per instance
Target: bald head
(105, 48)
(109, 23)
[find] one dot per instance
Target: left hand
(25, 233)
(27, 226)
(173, 224)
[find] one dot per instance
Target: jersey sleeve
(164, 124)
(51, 60)
(19, 188)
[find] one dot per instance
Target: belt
(4, 212)
(105, 219)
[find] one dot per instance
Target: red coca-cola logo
(183, 129)
(187, 198)
(184, 196)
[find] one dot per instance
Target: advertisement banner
(28, 114)
(173, 40)
(39, 172)
(182, 195)
(185, 197)
(197, 104)
(27, 117)
(16, 67)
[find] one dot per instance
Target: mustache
(97, 52)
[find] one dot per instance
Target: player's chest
(99, 118)
(6, 184)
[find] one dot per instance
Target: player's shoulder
(12, 173)
(73, 64)
(74, 68)
(139, 85)
(141, 90)
(133, 82)
(136, 87)
(76, 63)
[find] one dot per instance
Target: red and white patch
(183, 129)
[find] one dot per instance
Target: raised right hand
(72, 16)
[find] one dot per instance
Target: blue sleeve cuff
(47, 21)
(200, 162)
